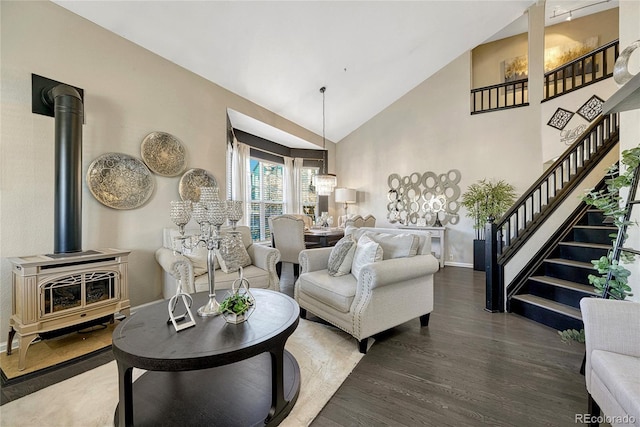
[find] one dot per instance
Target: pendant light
(324, 182)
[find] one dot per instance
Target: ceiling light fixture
(569, 12)
(324, 182)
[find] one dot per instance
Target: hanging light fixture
(324, 182)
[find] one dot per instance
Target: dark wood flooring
(469, 367)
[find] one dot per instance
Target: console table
(212, 374)
(437, 232)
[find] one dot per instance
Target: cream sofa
(385, 294)
(192, 269)
(612, 371)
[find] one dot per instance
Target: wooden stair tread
(586, 245)
(597, 227)
(570, 262)
(565, 284)
(550, 305)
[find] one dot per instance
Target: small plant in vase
(239, 303)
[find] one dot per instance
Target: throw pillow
(341, 256)
(367, 251)
(232, 254)
(197, 255)
(396, 245)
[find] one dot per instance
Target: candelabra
(210, 213)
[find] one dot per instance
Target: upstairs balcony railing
(500, 97)
(588, 69)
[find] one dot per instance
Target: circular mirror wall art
(120, 181)
(424, 199)
(164, 154)
(191, 182)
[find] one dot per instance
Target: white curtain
(289, 187)
(297, 179)
(241, 177)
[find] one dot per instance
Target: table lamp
(346, 196)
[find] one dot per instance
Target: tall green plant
(485, 199)
(611, 203)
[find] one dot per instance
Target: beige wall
(488, 58)
(430, 129)
(129, 92)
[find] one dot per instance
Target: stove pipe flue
(68, 113)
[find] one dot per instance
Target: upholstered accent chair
(369, 221)
(612, 370)
(383, 294)
(287, 235)
(192, 268)
(306, 218)
(354, 221)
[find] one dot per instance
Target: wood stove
(71, 287)
(54, 293)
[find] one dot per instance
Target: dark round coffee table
(211, 374)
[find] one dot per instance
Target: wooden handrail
(568, 82)
(528, 213)
(514, 94)
(529, 210)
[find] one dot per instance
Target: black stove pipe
(68, 112)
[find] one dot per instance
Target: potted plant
(611, 271)
(239, 302)
(483, 200)
(235, 307)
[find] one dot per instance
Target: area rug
(326, 357)
(46, 354)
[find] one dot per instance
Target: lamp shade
(345, 195)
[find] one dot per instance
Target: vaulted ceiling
(278, 54)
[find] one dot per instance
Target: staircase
(551, 295)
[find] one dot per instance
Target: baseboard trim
(458, 264)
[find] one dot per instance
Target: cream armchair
(192, 269)
(612, 370)
(385, 294)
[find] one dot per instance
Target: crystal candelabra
(210, 213)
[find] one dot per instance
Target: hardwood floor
(467, 368)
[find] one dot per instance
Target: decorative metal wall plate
(591, 109)
(560, 118)
(423, 199)
(191, 182)
(163, 153)
(120, 181)
(621, 74)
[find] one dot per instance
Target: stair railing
(500, 96)
(505, 236)
(588, 69)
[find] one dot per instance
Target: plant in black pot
(483, 200)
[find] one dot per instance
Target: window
(308, 195)
(266, 197)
